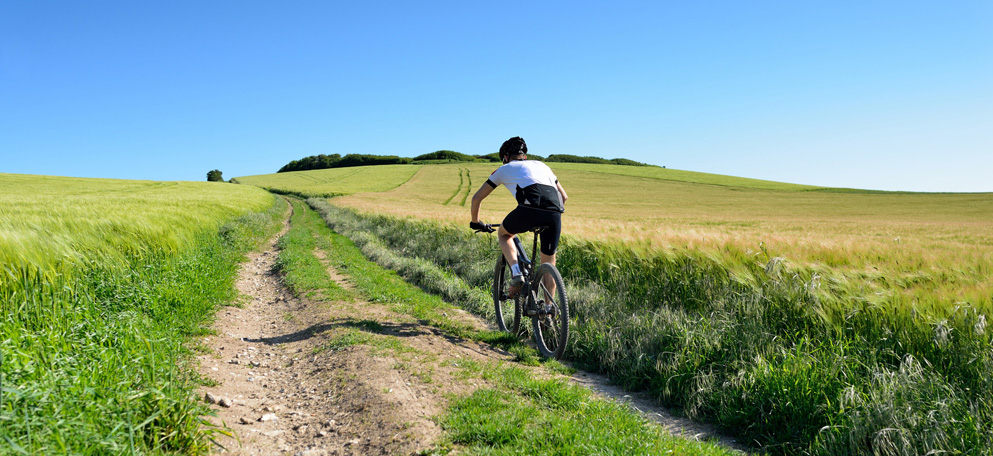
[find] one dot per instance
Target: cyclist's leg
(515, 222)
(549, 283)
(506, 239)
(550, 244)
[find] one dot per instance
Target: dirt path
(288, 382)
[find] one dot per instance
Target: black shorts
(524, 219)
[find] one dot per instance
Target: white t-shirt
(532, 183)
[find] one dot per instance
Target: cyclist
(540, 202)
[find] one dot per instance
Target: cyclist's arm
(561, 191)
(481, 194)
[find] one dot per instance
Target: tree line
(323, 161)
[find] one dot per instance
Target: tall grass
(788, 358)
(94, 332)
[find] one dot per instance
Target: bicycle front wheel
(551, 324)
(508, 310)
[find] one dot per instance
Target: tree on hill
(214, 176)
(312, 162)
(626, 162)
(566, 158)
(446, 155)
(323, 161)
(368, 160)
(337, 161)
(494, 157)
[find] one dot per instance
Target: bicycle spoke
(551, 323)
(550, 333)
(507, 309)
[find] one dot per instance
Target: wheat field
(929, 248)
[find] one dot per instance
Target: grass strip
(457, 190)
(468, 188)
(303, 273)
(374, 282)
(521, 414)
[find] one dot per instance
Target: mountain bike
(542, 298)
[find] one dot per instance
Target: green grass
(524, 415)
(335, 181)
(95, 331)
(303, 273)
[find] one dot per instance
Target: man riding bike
(540, 202)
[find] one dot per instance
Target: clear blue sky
(893, 95)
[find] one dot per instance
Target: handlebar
(491, 227)
(484, 227)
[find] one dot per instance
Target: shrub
(446, 155)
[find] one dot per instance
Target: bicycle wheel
(551, 325)
(508, 311)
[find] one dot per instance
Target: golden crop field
(47, 221)
(929, 247)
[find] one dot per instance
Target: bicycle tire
(508, 311)
(551, 331)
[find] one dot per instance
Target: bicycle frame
(526, 265)
(528, 268)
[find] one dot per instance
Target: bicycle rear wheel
(508, 311)
(551, 324)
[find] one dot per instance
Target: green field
(807, 320)
(333, 182)
(52, 222)
(103, 282)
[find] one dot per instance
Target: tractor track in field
(278, 389)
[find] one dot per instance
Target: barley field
(927, 249)
(103, 283)
(52, 222)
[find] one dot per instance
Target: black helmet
(513, 146)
